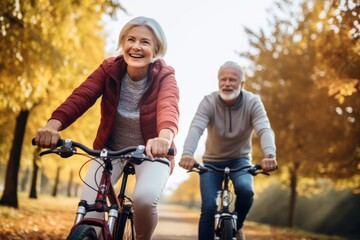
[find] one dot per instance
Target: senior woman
(139, 106)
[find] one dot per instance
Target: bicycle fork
(105, 191)
(223, 213)
(112, 215)
(223, 202)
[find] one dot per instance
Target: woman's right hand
(48, 136)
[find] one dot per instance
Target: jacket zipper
(230, 126)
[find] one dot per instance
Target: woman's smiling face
(139, 49)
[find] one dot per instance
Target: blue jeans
(210, 184)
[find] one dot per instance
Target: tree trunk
(25, 180)
(70, 183)
(33, 191)
(44, 182)
(9, 197)
(293, 194)
(76, 189)
(57, 180)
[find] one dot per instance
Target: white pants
(151, 178)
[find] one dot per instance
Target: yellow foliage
(188, 191)
(341, 88)
(47, 48)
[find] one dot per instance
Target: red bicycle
(118, 221)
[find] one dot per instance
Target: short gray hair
(155, 28)
(231, 64)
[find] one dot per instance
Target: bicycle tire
(126, 223)
(83, 232)
(226, 229)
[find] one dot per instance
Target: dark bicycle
(225, 219)
(118, 221)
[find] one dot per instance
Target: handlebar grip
(200, 167)
(171, 151)
(58, 144)
(257, 167)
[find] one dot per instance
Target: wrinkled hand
(48, 136)
(269, 164)
(157, 147)
(187, 162)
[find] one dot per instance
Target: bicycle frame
(225, 220)
(106, 200)
(106, 191)
(223, 203)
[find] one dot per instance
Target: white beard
(229, 97)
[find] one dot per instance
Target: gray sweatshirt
(230, 128)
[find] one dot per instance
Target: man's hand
(269, 164)
(187, 162)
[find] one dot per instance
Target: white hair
(155, 28)
(231, 64)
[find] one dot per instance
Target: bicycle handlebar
(67, 148)
(252, 169)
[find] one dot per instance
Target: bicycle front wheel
(126, 223)
(83, 232)
(226, 229)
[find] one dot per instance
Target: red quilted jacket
(158, 106)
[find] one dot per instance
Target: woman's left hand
(157, 147)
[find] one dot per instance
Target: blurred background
(302, 57)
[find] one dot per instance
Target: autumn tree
(44, 45)
(317, 134)
(188, 192)
(34, 178)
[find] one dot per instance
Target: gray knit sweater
(230, 128)
(126, 128)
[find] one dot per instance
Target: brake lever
(66, 149)
(265, 173)
(253, 171)
(66, 152)
(62, 152)
(48, 152)
(199, 168)
(138, 155)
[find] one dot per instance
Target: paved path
(176, 223)
(180, 223)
